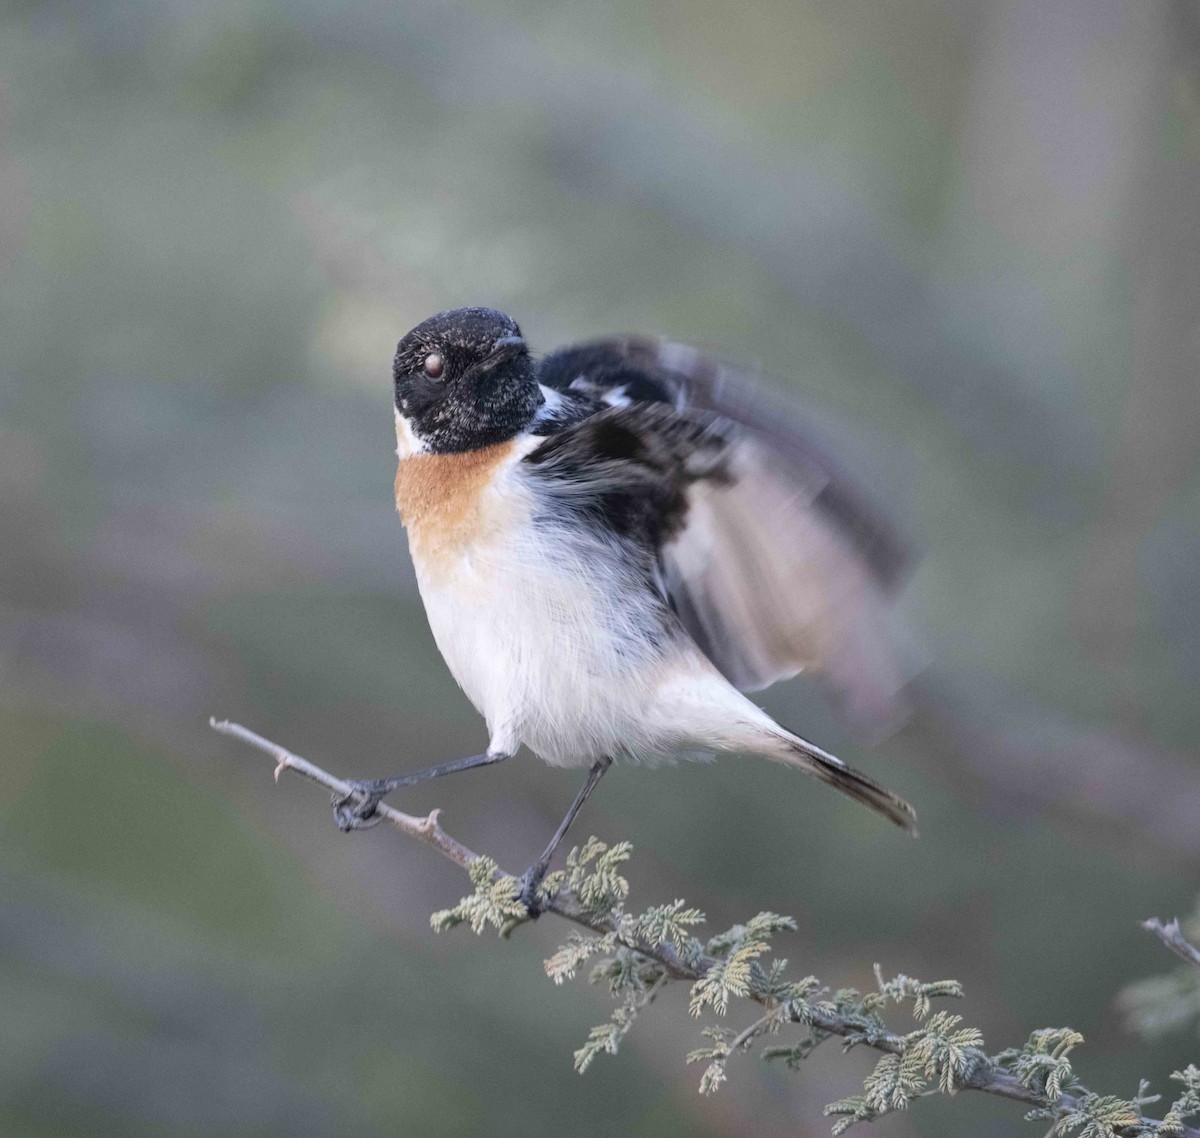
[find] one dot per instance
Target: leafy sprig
(637, 954)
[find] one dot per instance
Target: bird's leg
(532, 877)
(356, 810)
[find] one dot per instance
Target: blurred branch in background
(1160, 1005)
(638, 954)
(1172, 936)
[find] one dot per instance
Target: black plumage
(642, 369)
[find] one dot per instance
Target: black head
(464, 380)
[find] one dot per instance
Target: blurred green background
(968, 234)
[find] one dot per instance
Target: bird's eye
(434, 365)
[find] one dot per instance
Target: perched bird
(616, 541)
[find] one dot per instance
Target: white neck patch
(407, 443)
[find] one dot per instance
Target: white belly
(558, 642)
(550, 645)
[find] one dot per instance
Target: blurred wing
(640, 369)
(773, 560)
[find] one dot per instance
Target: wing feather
(774, 561)
(648, 370)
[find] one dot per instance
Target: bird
(617, 541)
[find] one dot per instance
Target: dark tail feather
(833, 772)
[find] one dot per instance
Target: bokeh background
(966, 234)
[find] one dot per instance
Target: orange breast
(444, 500)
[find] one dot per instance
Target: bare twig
(987, 1080)
(427, 828)
(1172, 936)
(745, 1037)
(647, 997)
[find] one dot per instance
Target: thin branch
(648, 995)
(428, 830)
(1172, 936)
(747, 1035)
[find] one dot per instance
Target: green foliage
(729, 976)
(947, 1052)
(591, 877)
(1187, 1105)
(716, 1053)
(940, 1052)
(494, 902)
(1043, 1064)
(638, 954)
(566, 961)
(1099, 1116)
(636, 994)
(670, 924)
(902, 988)
(1103, 1116)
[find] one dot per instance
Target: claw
(528, 895)
(358, 810)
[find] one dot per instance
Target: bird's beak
(505, 348)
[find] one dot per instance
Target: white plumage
(555, 640)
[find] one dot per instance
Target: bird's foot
(530, 882)
(358, 810)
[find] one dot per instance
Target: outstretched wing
(587, 378)
(772, 558)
